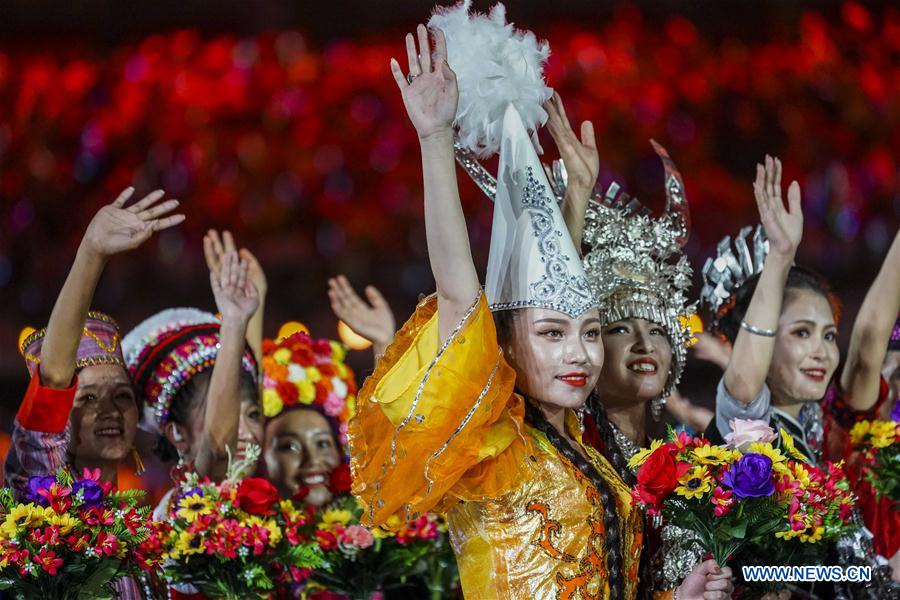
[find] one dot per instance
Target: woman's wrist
(438, 136)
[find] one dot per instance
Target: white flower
(296, 373)
(339, 387)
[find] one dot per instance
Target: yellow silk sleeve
(436, 422)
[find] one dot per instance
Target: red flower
(322, 348)
(289, 393)
(326, 540)
(657, 477)
(340, 479)
(48, 560)
(60, 497)
(106, 544)
(302, 355)
(256, 496)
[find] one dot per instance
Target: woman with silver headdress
(640, 277)
(471, 412)
(782, 321)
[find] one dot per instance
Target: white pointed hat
(532, 262)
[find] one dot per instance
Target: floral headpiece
(299, 371)
(166, 351)
(99, 344)
(636, 267)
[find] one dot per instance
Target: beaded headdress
(532, 261)
(165, 351)
(635, 265)
(731, 267)
(99, 344)
(299, 371)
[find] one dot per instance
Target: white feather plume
(495, 65)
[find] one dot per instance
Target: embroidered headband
(99, 344)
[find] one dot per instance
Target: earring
(179, 470)
(656, 407)
(138, 463)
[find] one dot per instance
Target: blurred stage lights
(353, 340)
(290, 328)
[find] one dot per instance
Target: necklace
(628, 447)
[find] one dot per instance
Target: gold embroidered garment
(439, 428)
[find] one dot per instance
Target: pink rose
(746, 431)
(357, 535)
(333, 405)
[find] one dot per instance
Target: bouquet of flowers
(233, 540)
(751, 496)
(879, 441)
(71, 539)
(364, 563)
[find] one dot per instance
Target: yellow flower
(65, 523)
(313, 374)
(859, 431)
(883, 433)
(307, 391)
(388, 529)
(271, 525)
(288, 509)
(271, 402)
(695, 482)
(813, 537)
(713, 455)
(801, 474)
(338, 351)
(282, 356)
(333, 517)
(787, 442)
(341, 370)
(643, 454)
(21, 517)
(188, 543)
(194, 505)
(787, 535)
(779, 460)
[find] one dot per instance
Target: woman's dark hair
(799, 278)
(503, 321)
(188, 399)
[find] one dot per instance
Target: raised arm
(114, 229)
(237, 300)
(861, 377)
(430, 96)
(752, 352)
(582, 162)
(371, 318)
(214, 248)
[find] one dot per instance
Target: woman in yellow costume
(478, 419)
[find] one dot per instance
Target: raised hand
(580, 157)
(116, 229)
(236, 296)
(784, 228)
(430, 93)
(373, 319)
(214, 248)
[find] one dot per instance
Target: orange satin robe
(439, 428)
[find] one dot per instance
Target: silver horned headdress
(731, 267)
(636, 267)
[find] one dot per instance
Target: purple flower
(38, 483)
(751, 476)
(89, 491)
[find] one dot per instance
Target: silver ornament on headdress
(730, 269)
(636, 267)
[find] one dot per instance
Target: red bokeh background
(302, 149)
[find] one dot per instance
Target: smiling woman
(308, 394)
(80, 409)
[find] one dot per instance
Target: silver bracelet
(756, 331)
